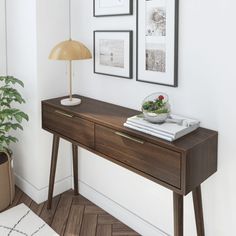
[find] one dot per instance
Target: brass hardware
(64, 114)
(129, 137)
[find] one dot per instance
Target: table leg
(55, 146)
(178, 214)
(75, 167)
(197, 201)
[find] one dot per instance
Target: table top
(115, 116)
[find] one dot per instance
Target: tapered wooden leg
(178, 215)
(197, 201)
(75, 168)
(55, 146)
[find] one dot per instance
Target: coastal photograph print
(112, 7)
(113, 53)
(157, 42)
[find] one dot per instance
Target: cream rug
(20, 220)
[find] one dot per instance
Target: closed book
(175, 127)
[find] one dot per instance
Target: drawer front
(160, 163)
(68, 125)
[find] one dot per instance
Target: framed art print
(112, 7)
(157, 42)
(113, 53)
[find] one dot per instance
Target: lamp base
(68, 102)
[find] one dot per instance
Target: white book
(156, 134)
(168, 130)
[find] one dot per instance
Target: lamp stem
(70, 78)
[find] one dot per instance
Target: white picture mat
(169, 40)
(111, 7)
(125, 36)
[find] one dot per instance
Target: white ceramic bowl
(155, 118)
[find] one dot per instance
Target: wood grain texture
(197, 201)
(91, 209)
(178, 215)
(120, 229)
(114, 116)
(75, 168)
(48, 214)
(25, 199)
(154, 160)
(62, 212)
(181, 165)
(89, 225)
(107, 219)
(74, 127)
(55, 146)
(104, 230)
(73, 219)
(200, 163)
(37, 208)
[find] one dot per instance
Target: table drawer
(68, 125)
(160, 163)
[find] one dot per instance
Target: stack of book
(175, 126)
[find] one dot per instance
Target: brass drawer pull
(63, 113)
(129, 137)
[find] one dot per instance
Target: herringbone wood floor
(75, 216)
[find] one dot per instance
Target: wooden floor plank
(89, 225)
(37, 208)
(104, 230)
(75, 216)
(107, 220)
(62, 212)
(120, 229)
(25, 199)
(47, 215)
(75, 220)
(93, 210)
(80, 200)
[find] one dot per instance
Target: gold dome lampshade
(70, 50)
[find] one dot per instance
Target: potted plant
(10, 120)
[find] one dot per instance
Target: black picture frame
(176, 48)
(130, 12)
(130, 59)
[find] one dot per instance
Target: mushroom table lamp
(70, 50)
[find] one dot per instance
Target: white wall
(22, 62)
(33, 30)
(52, 28)
(206, 91)
(2, 39)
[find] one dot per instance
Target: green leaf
(13, 139)
(18, 118)
(10, 117)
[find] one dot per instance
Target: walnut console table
(180, 166)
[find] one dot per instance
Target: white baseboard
(124, 215)
(41, 195)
